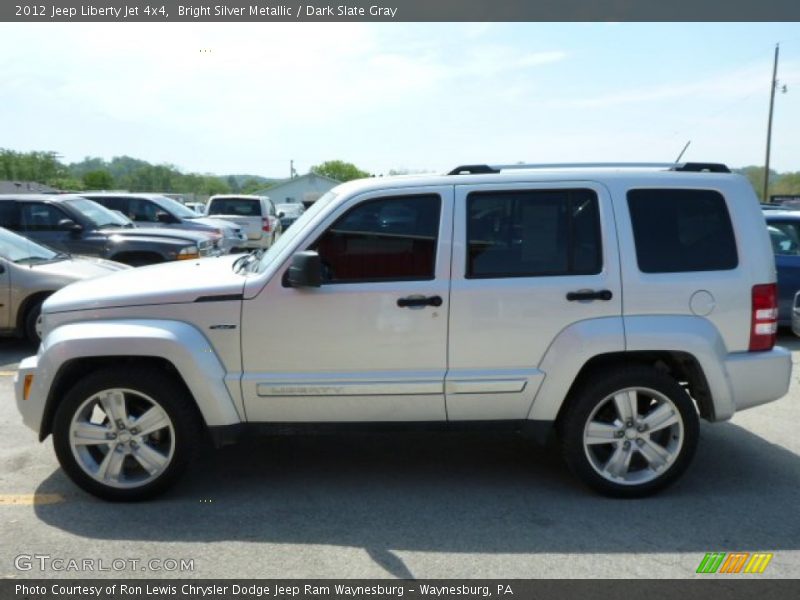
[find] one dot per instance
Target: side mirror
(281, 215)
(305, 270)
(163, 217)
(70, 225)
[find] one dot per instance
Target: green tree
(98, 180)
(339, 170)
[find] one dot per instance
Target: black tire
(31, 317)
(183, 439)
(594, 400)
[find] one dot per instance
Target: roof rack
(694, 167)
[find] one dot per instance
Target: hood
(79, 267)
(188, 235)
(167, 283)
(215, 223)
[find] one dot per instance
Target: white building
(306, 189)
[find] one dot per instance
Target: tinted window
(785, 237)
(533, 233)
(38, 216)
(9, 215)
(382, 240)
(239, 207)
(681, 230)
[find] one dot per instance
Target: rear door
(529, 260)
(245, 212)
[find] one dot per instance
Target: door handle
(589, 295)
(419, 301)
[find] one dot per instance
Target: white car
(488, 296)
(256, 215)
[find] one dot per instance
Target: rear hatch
(244, 212)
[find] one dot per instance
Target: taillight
(266, 226)
(764, 322)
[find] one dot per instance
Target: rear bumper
(758, 377)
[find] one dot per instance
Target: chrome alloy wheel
(633, 436)
(122, 438)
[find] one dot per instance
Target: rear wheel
(126, 434)
(629, 433)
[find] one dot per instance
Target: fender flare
(180, 344)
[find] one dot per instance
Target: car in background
(197, 207)
(784, 233)
(288, 213)
(155, 210)
(256, 215)
(76, 225)
(29, 273)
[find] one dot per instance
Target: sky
(249, 97)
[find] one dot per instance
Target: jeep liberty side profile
(607, 306)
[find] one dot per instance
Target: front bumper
(31, 409)
(758, 377)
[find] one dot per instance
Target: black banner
(371, 589)
(399, 10)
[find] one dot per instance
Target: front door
(370, 344)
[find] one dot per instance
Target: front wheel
(126, 434)
(629, 433)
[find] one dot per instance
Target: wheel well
(138, 259)
(72, 371)
(682, 366)
(26, 305)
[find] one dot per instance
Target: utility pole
(774, 85)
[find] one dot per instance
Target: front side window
(38, 216)
(533, 233)
(389, 239)
(681, 230)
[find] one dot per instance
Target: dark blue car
(784, 233)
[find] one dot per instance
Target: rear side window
(681, 230)
(533, 233)
(239, 207)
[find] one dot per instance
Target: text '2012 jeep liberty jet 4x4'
(612, 306)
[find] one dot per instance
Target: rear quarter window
(680, 230)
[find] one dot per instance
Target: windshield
(175, 207)
(99, 215)
(18, 249)
(295, 230)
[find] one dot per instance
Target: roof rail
(688, 167)
(697, 167)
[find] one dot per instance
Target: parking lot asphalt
(406, 505)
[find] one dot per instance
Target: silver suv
(609, 308)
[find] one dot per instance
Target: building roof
(24, 187)
(283, 182)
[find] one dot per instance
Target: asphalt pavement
(404, 505)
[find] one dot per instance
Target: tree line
(135, 175)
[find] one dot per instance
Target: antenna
(677, 160)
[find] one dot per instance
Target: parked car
(494, 299)
(155, 210)
(256, 215)
(29, 273)
(197, 207)
(288, 213)
(784, 230)
(76, 225)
